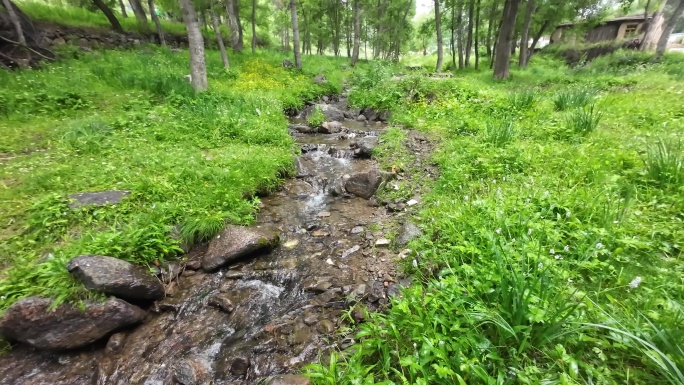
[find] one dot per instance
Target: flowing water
(288, 303)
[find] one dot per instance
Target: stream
(287, 304)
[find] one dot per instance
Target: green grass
(128, 120)
(544, 260)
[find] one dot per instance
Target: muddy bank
(269, 314)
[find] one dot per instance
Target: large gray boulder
(115, 277)
(31, 321)
(304, 167)
(331, 113)
(363, 147)
(407, 232)
(365, 184)
(330, 127)
(236, 242)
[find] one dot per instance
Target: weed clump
(665, 164)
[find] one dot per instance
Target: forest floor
(552, 238)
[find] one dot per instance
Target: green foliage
(317, 118)
(499, 133)
(544, 260)
(522, 100)
(573, 99)
(130, 121)
(665, 163)
(584, 121)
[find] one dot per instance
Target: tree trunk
(295, 34)
(98, 3)
(669, 28)
(198, 66)
(469, 42)
(139, 12)
(490, 29)
(452, 36)
(357, 33)
(254, 26)
(535, 40)
(654, 25)
(440, 48)
(459, 39)
(123, 9)
(234, 25)
(219, 38)
(522, 60)
(157, 23)
(503, 43)
(477, 35)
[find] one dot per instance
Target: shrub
(585, 120)
(522, 100)
(499, 133)
(665, 163)
(317, 118)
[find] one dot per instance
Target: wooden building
(619, 28)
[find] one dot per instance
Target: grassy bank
(553, 239)
(130, 121)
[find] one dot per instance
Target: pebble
(320, 233)
(329, 262)
(357, 230)
(323, 214)
(412, 202)
(291, 244)
(383, 242)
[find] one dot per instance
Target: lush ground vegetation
(105, 120)
(553, 239)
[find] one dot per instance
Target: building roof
(638, 18)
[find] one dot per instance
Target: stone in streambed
(363, 147)
(365, 184)
(221, 301)
(31, 321)
(304, 167)
(236, 242)
(332, 127)
(115, 277)
(408, 232)
(288, 379)
(331, 113)
(193, 371)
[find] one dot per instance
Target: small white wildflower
(498, 231)
(566, 248)
(558, 257)
(635, 282)
(415, 263)
(529, 231)
(615, 222)
(599, 246)
(567, 214)
(527, 200)
(569, 280)
(540, 265)
(466, 197)
(552, 251)
(546, 193)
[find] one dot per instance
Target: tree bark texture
(525, 37)
(139, 12)
(254, 36)
(469, 41)
(357, 33)
(157, 23)
(198, 66)
(669, 28)
(535, 40)
(123, 9)
(503, 43)
(440, 48)
(459, 34)
(655, 24)
(100, 5)
(295, 34)
(490, 29)
(477, 35)
(219, 38)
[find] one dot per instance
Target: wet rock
(100, 198)
(116, 343)
(359, 291)
(326, 327)
(364, 184)
(407, 232)
(331, 113)
(361, 118)
(304, 167)
(192, 371)
(302, 128)
(115, 277)
(193, 264)
(384, 116)
(373, 202)
(370, 114)
(396, 207)
(331, 127)
(221, 301)
(31, 321)
(317, 287)
(377, 292)
(357, 230)
(239, 366)
(291, 244)
(338, 186)
(363, 147)
(236, 242)
(383, 242)
(323, 214)
(311, 319)
(288, 379)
